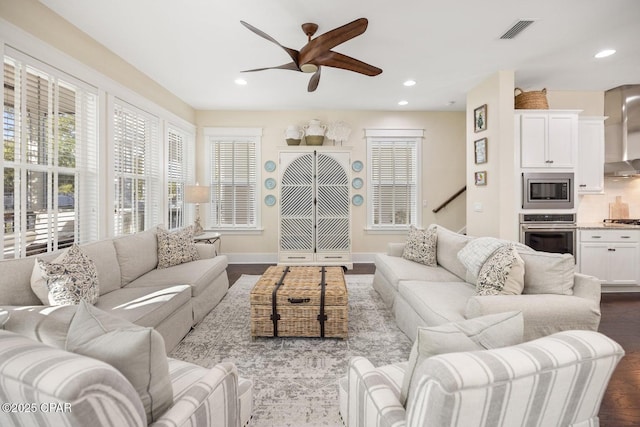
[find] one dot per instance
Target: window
(393, 178)
(50, 162)
(137, 179)
(233, 177)
(180, 172)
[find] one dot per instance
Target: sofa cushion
(396, 269)
(197, 274)
(4, 316)
(421, 246)
(137, 254)
(67, 280)
(104, 256)
(137, 352)
(437, 302)
(175, 247)
(481, 333)
(146, 306)
(43, 323)
(449, 244)
(502, 273)
(548, 273)
(14, 276)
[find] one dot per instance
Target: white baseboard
(272, 258)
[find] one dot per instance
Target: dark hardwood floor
(620, 321)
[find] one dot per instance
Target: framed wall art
(481, 178)
(480, 118)
(480, 151)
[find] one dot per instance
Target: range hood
(622, 131)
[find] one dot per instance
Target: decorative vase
(293, 135)
(314, 132)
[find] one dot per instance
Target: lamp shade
(196, 194)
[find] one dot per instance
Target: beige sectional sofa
(171, 300)
(555, 298)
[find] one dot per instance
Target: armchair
(558, 380)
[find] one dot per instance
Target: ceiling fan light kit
(317, 52)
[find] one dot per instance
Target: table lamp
(196, 194)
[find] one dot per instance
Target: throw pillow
(137, 352)
(67, 280)
(475, 254)
(421, 246)
(503, 273)
(480, 333)
(176, 247)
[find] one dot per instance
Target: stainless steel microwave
(542, 190)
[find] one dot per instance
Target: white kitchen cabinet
(548, 139)
(315, 225)
(613, 256)
(590, 170)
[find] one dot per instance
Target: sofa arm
(543, 314)
(587, 287)
(206, 250)
(395, 249)
(371, 397)
(211, 401)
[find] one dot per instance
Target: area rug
(295, 379)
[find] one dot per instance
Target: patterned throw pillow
(176, 247)
(67, 280)
(502, 273)
(421, 246)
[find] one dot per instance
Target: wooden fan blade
(290, 66)
(339, 35)
(294, 54)
(338, 60)
(313, 82)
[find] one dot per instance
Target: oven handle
(549, 226)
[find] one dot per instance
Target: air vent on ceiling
(517, 28)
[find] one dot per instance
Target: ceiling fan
(317, 52)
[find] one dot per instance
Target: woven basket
(532, 100)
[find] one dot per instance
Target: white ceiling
(197, 48)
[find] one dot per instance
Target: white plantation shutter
(234, 178)
(137, 177)
(180, 172)
(393, 178)
(50, 160)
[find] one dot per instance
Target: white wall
(443, 171)
(594, 208)
(491, 209)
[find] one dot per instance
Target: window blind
(180, 172)
(393, 181)
(233, 182)
(137, 180)
(50, 184)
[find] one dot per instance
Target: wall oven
(549, 232)
(547, 190)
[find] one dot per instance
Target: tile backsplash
(595, 208)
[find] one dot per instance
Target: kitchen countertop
(602, 226)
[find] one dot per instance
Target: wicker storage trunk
(298, 303)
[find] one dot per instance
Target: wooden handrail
(450, 199)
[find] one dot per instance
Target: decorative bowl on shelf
(314, 139)
(293, 141)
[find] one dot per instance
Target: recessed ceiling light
(240, 82)
(409, 83)
(403, 102)
(605, 53)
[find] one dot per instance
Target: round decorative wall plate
(357, 183)
(270, 166)
(270, 200)
(270, 183)
(357, 166)
(357, 200)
